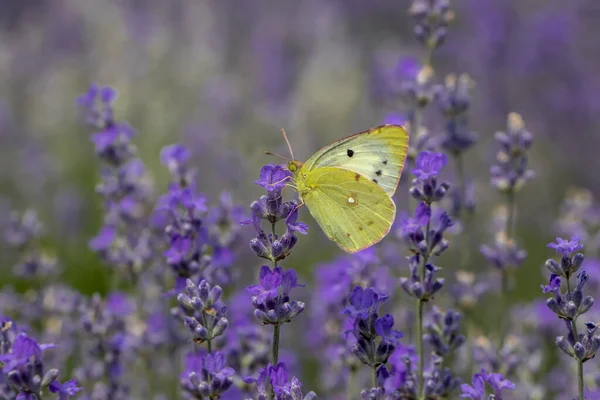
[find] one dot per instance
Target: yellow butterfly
(348, 185)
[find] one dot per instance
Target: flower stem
(420, 305)
(275, 350)
(465, 238)
(208, 341)
(374, 376)
(350, 389)
(509, 229)
(509, 234)
(580, 378)
(420, 347)
(576, 334)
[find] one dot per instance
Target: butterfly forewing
(378, 154)
(352, 210)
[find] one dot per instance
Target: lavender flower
(214, 378)
(333, 281)
(425, 186)
(454, 101)
(271, 298)
(204, 312)
(511, 173)
(107, 346)
(277, 377)
(123, 241)
(431, 19)
(424, 235)
(23, 371)
(443, 332)
(24, 233)
(375, 337)
(272, 208)
(201, 238)
(572, 304)
(476, 390)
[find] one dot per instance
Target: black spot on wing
(378, 172)
(384, 162)
(375, 180)
(350, 153)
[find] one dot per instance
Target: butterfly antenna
(288, 143)
(277, 155)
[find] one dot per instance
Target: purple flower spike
(497, 383)
(363, 300)
(273, 177)
(429, 164)
(289, 281)
(269, 284)
(293, 225)
(566, 247)
(174, 154)
(24, 348)
(108, 94)
(476, 390)
(65, 390)
(383, 328)
(553, 285)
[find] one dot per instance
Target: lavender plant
(570, 305)
(271, 298)
(123, 240)
(24, 375)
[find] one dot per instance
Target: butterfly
(348, 185)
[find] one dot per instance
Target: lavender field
(150, 249)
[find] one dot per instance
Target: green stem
(509, 234)
(351, 382)
(509, 229)
(374, 377)
(205, 323)
(466, 233)
(420, 387)
(420, 306)
(275, 350)
(276, 329)
(576, 334)
(580, 378)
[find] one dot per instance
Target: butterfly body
(347, 186)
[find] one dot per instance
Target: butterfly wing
(352, 210)
(378, 154)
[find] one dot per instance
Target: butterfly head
(294, 166)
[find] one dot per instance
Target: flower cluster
(424, 233)
(23, 375)
(107, 346)
(200, 238)
(23, 233)
(203, 310)
(476, 390)
(272, 208)
(431, 18)
(569, 306)
(511, 172)
(271, 298)
(123, 240)
(375, 336)
(276, 378)
(213, 379)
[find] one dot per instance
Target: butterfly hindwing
(377, 154)
(352, 210)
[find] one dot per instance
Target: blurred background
(223, 77)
